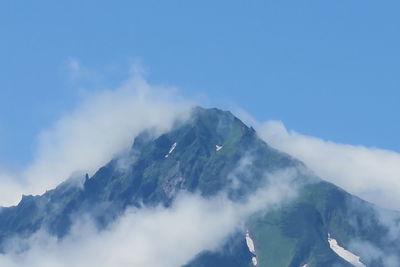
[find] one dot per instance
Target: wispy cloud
(152, 236)
(370, 173)
(103, 125)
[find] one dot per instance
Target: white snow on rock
(254, 260)
(218, 148)
(305, 265)
(250, 245)
(344, 254)
(171, 149)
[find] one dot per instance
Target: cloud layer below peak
(151, 236)
(370, 173)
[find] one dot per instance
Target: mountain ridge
(199, 155)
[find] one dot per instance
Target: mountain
(316, 228)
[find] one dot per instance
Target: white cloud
(370, 253)
(370, 173)
(104, 124)
(151, 237)
(74, 65)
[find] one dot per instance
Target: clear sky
(325, 68)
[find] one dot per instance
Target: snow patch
(171, 149)
(254, 260)
(250, 245)
(305, 265)
(218, 148)
(344, 254)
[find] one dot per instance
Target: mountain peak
(216, 120)
(211, 152)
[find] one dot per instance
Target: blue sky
(325, 68)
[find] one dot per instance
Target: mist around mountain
(206, 192)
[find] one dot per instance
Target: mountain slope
(211, 152)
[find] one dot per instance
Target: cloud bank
(370, 173)
(151, 237)
(103, 125)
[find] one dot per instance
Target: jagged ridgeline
(316, 228)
